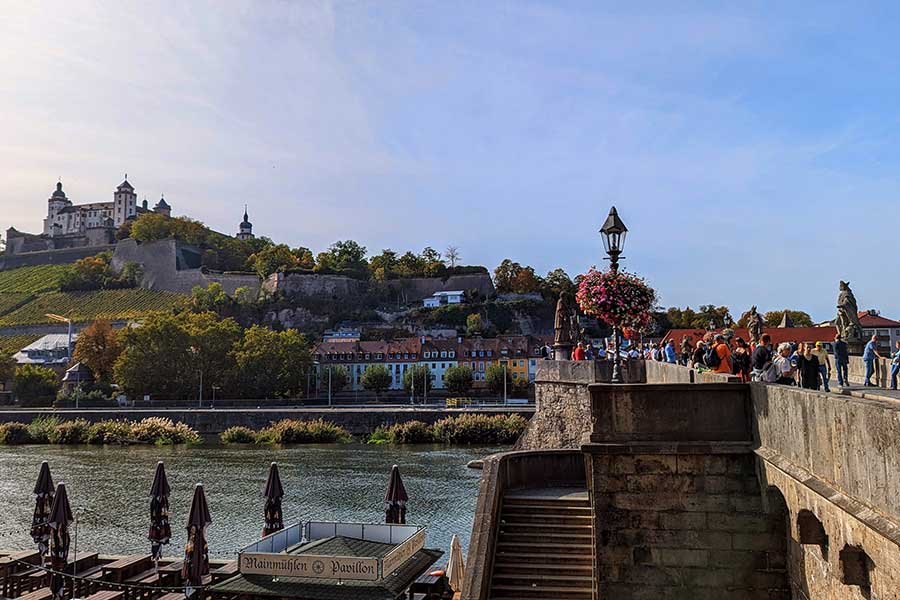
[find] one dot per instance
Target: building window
(368, 356)
(490, 353)
(433, 366)
(453, 354)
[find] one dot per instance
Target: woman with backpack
(783, 366)
(718, 357)
(741, 360)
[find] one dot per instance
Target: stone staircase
(544, 546)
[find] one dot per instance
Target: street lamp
(613, 234)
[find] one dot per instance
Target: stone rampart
(662, 372)
(304, 285)
(160, 263)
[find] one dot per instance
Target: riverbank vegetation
(289, 431)
(52, 430)
(462, 429)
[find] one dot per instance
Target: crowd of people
(807, 365)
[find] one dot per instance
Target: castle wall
(301, 285)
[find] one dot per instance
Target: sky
(752, 150)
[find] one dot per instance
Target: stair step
(537, 569)
(507, 516)
(562, 535)
(546, 507)
(542, 580)
(548, 592)
(576, 549)
(542, 558)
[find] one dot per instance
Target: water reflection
(108, 487)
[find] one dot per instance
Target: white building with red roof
(887, 330)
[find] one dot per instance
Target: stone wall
(678, 511)
(836, 460)
(159, 260)
(663, 372)
(856, 370)
(303, 285)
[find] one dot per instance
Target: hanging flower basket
(619, 299)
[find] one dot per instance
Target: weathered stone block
(681, 520)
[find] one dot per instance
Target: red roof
(867, 319)
(778, 334)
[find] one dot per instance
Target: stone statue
(754, 326)
(847, 322)
(562, 323)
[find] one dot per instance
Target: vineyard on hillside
(11, 301)
(13, 343)
(89, 306)
(32, 280)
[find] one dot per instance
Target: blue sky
(752, 150)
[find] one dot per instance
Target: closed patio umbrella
(43, 491)
(395, 499)
(273, 494)
(196, 553)
(456, 568)
(60, 517)
(160, 531)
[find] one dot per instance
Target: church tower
(55, 203)
(245, 229)
(124, 203)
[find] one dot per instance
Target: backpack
(712, 358)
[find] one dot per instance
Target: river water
(108, 488)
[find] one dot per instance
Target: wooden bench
(172, 596)
(41, 594)
(87, 582)
(12, 563)
(40, 578)
(120, 570)
(224, 572)
(148, 578)
(107, 595)
(170, 574)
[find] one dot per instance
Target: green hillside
(89, 306)
(14, 343)
(32, 280)
(10, 301)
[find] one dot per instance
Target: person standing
(685, 350)
(841, 360)
(741, 360)
(589, 351)
(807, 367)
(699, 358)
(824, 364)
(670, 352)
(762, 357)
(784, 366)
(895, 366)
(726, 363)
(870, 354)
(578, 352)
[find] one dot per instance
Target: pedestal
(562, 351)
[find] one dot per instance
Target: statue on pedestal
(847, 322)
(564, 333)
(754, 326)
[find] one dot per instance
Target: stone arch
(778, 525)
(855, 566)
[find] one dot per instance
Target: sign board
(308, 565)
(394, 559)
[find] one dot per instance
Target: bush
(14, 433)
(381, 435)
(289, 431)
(40, 429)
(163, 432)
(34, 385)
(479, 429)
(109, 432)
(238, 435)
(412, 432)
(70, 432)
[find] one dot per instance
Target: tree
(273, 259)
(458, 380)
(511, 277)
(452, 254)
(150, 227)
(96, 273)
(720, 317)
(432, 265)
(384, 265)
(557, 282)
(348, 256)
(799, 318)
(474, 324)
(34, 384)
(377, 379)
(305, 259)
(495, 375)
(166, 355)
(339, 377)
(98, 348)
(415, 380)
(271, 364)
(410, 265)
(7, 367)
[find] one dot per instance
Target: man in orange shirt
(724, 352)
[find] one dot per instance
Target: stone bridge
(663, 488)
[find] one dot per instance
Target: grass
(14, 343)
(32, 280)
(90, 306)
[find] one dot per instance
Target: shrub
(70, 432)
(381, 435)
(412, 432)
(14, 433)
(34, 385)
(162, 431)
(238, 435)
(289, 431)
(40, 429)
(109, 432)
(479, 429)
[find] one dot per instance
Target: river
(108, 488)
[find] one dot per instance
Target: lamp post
(613, 234)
